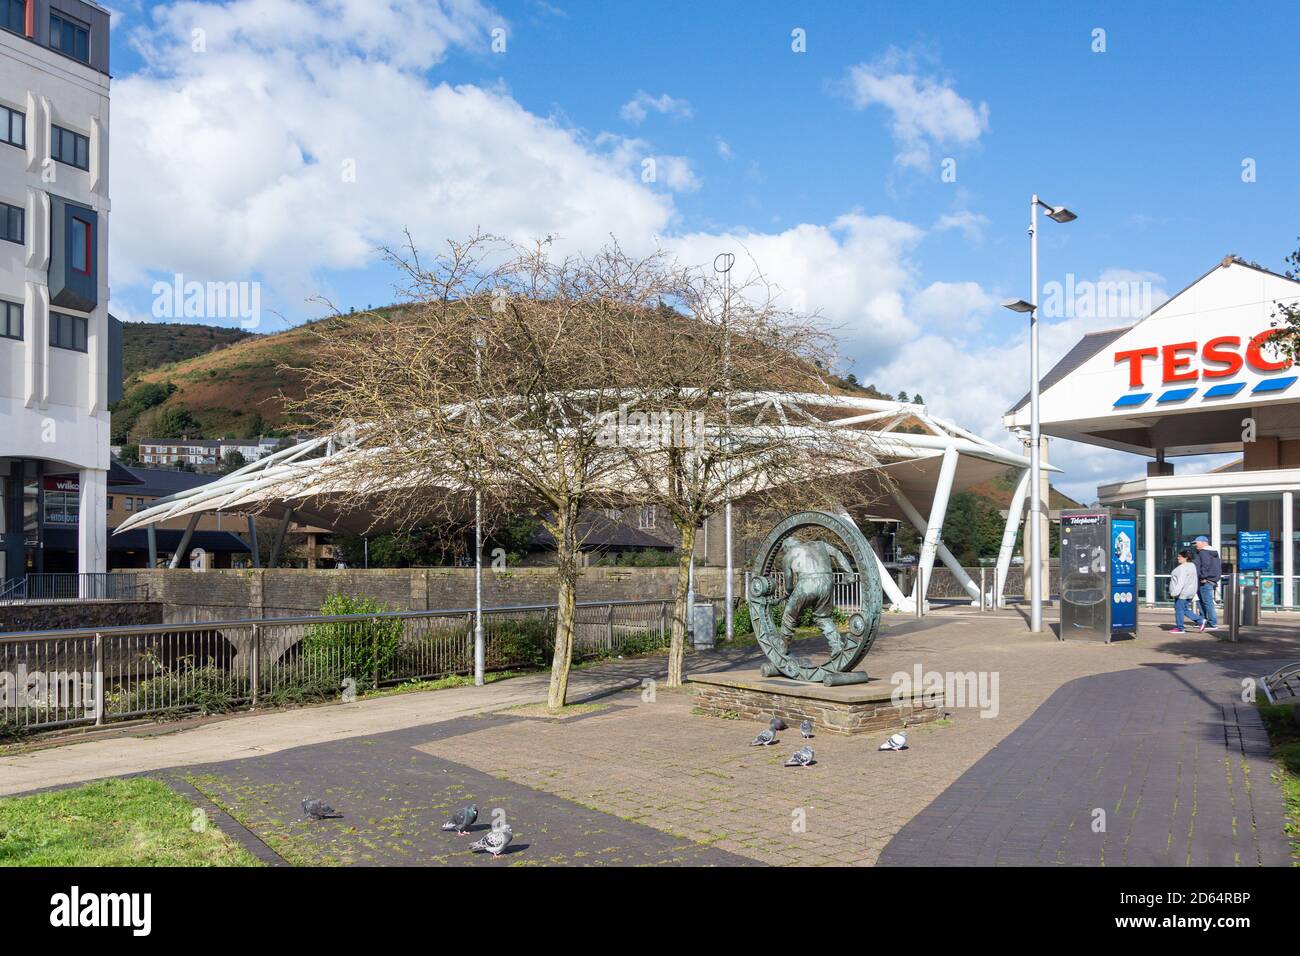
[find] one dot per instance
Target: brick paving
(1136, 728)
(1150, 730)
(1169, 764)
(393, 797)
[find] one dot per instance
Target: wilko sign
(1181, 363)
(67, 483)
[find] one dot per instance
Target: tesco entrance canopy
(1180, 380)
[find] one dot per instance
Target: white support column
(1216, 523)
(185, 541)
(934, 528)
(887, 582)
(1149, 534)
(92, 524)
(278, 544)
(1288, 549)
(941, 549)
(1014, 514)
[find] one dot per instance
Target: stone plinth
(847, 709)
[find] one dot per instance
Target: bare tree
(1286, 317)
(555, 384)
(495, 378)
(717, 415)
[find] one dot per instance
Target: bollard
(983, 593)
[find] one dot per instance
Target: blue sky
(826, 164)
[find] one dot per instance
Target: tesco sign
(1220, 357)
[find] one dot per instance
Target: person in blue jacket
(1208, 571)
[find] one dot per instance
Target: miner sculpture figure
(808, 567)
(810, 582)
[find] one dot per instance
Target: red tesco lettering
(1220, 358)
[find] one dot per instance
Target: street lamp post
(479, 649)
(723, 263)
(1057, 214)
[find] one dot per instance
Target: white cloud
(308, 135)
(640, 106)
(724, 148)
(855, 271)
(975, 383)
(675, 172)
(971, 224)
(926, 111)
(954, 306)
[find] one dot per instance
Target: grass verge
(136, 822)
(1284, 737)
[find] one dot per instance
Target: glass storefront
(1179, 520)
(1255, 513)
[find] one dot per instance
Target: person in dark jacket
(1208, 571)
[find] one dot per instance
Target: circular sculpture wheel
(864, 624)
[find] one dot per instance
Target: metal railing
(98, 586)
(51, 679)
(847, 593)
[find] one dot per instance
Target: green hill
(147, 345)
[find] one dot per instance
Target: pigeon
(895, 742)
(319, 809)
(494, 841)
(462, 820)
(806, 729)
(765, 739)
(802, 757)
(777, 724)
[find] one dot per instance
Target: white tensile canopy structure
(923, 470)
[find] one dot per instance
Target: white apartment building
(60, 352)
(203, 453)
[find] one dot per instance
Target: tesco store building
(1195, 377)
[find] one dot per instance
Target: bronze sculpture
(808, 575)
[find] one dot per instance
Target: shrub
(363, 650)
(514, 643)
(208, 689)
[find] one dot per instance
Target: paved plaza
(1151, 731)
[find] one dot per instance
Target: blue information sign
(1254, 551)
(1123, 574)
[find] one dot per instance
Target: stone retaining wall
(828, 716)
(62, 615)
(225, 595)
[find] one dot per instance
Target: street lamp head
(1018, 305)
(1060, 214)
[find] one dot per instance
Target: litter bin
(1250, 605)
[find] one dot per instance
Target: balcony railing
(49, 588)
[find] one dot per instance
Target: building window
(110, 502)
(62, 507)
(15, 16)
(82, 239)
(69, 147)
(70, 37)
(139, 504)
(68, 331)
(12, 221)
(11, 320)
(126, 503)
(647, 517)
(13, 126)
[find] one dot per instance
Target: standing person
(1208, 571)
(1183, 588)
